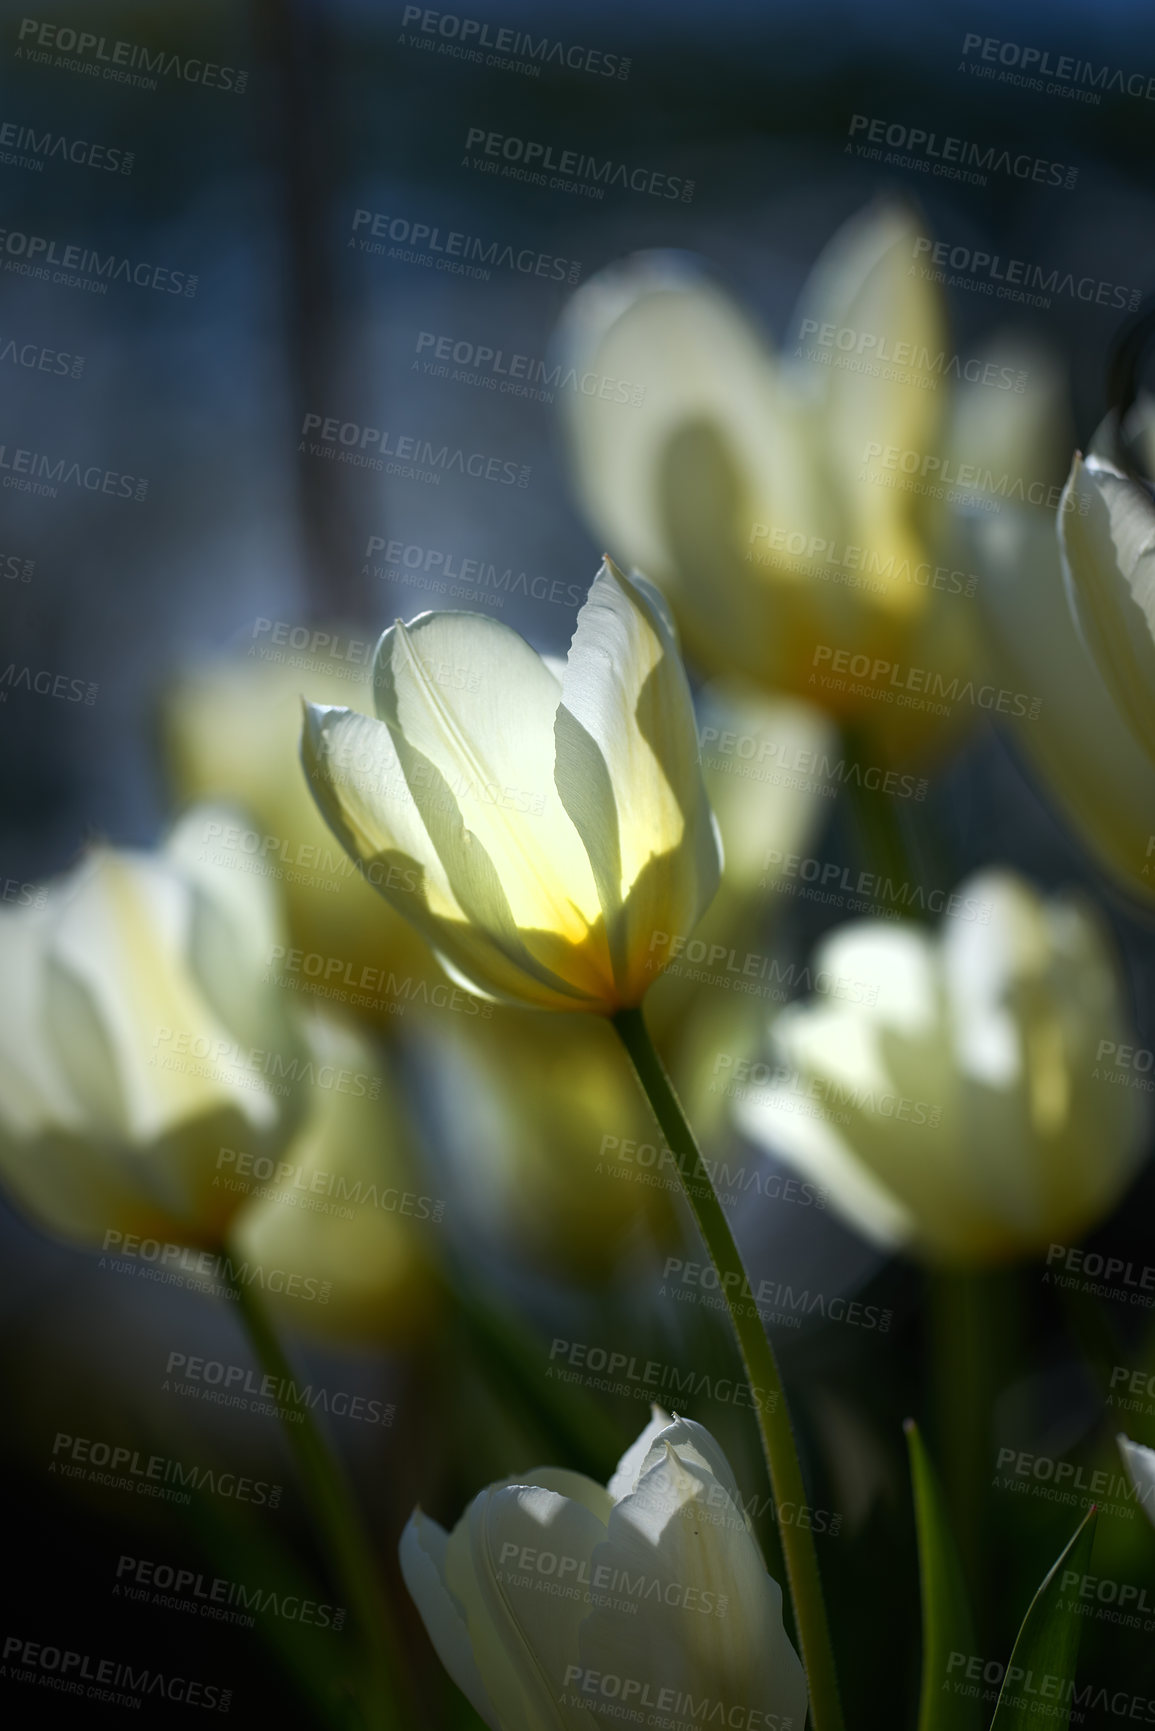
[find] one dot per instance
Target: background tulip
(138, 1034)
(750, 485)
(345, 1206)
(538, 832)
(668, 1598)
(1107, 536)
(231, 728)
(967, 1111)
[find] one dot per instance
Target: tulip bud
(557, 1602)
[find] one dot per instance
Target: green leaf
(946, 1618)
(1047, 1645)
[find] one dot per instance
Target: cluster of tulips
(546, 839)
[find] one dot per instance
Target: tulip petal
(471, 709)
(628, 1469)
(119, 1001)
(1079, 745)
(423, 1553)
(524, 1619)
(1140, 1463)
(709, 1619)
(1107, 536)
(353, 769)
(34, 1085)
(863, 283)
(626, 702)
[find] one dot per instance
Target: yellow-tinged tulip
(1107, 536)
(970, 1111)
(138, 1034)
(344, 1207)
(231, 730)
(538, 831)
(667, 1610)
(764, 493)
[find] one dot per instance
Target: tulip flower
(1068, 725)
(756, 488)
(137, 1035)
(556, 1602)
(344, 1207)
(1107, 536)
(952, 1108)
(538, 831)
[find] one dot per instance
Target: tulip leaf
(947, 1628)
(1047, 1645)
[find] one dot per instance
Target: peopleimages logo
(1014, 63)
(101, 57)
(571, 170)
(952, 158)
(83, 267)
(104, 1680)
(24, 147)
(453, 251)
(1037, 284)
(402, 454)
(507, 49)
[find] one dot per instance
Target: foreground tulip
(966, 1112)
(537, 831)
(1107, 535)
(556, 1602)
(754, 487)
(138, 1034)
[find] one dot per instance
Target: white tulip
(969, 1109)
(1139, 1461)
(557, 1604)
(1107, 536)
(138, 1034)
(538, 831)
(751, 484)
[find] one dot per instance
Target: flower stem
(335, 1519)
(760, 1364)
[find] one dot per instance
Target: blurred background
(253, 545)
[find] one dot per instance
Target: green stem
(960, 1378)
(760, 1364)
(334, 1516)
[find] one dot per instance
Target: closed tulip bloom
(668, 1607)
(752, 485)
(537, 830)
(1107, 535)
(957, 1096)
(138, 1034)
